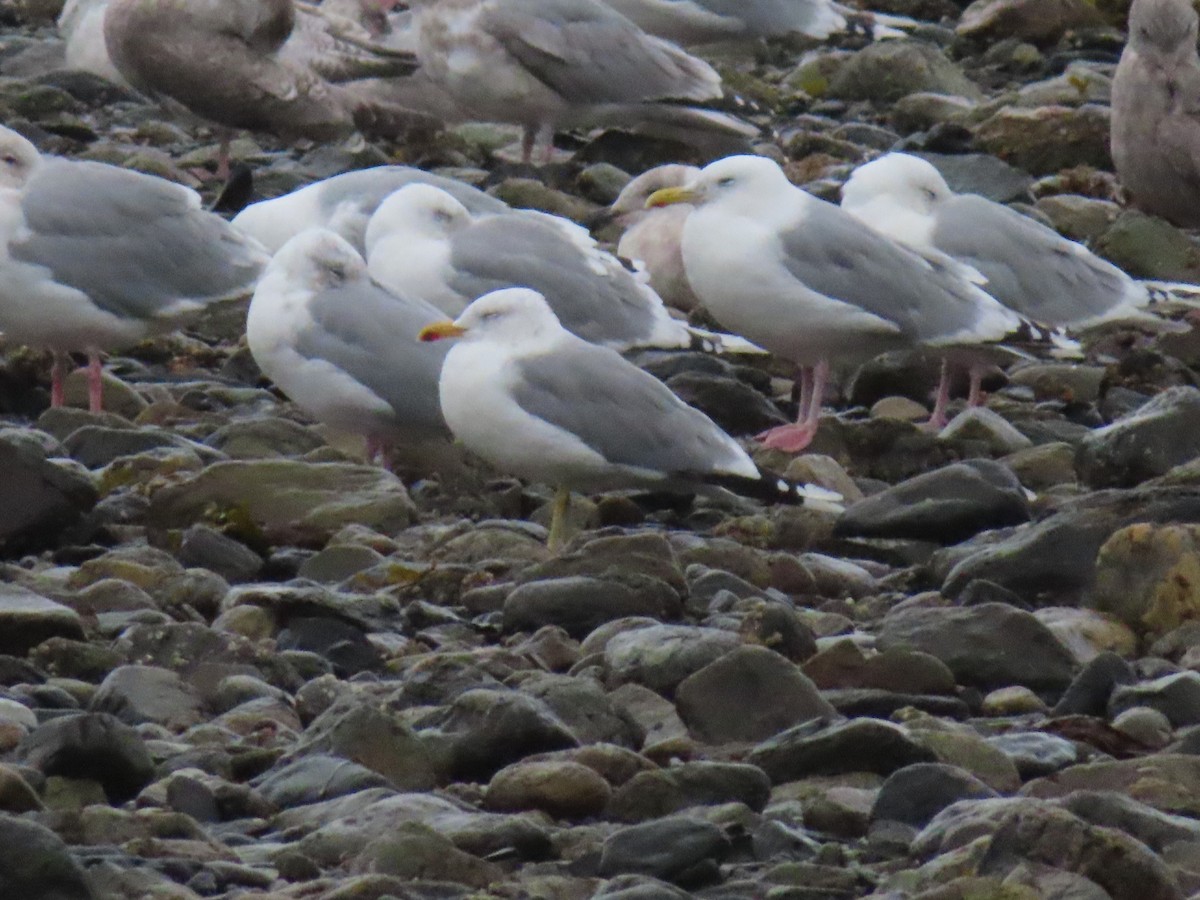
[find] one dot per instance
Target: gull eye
(726, 181)
(10, 159)
(930, 194)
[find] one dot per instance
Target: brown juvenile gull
(345, 204)
(96, 257)
(227, 61)
(344, 348)
(807, 281)
(535, 401)
(542, 63)
(653, 238)
(1155, 135)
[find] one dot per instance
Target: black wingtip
(237, 191)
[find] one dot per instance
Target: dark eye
(930, 194)
(1144, 32)
(10, 160)
(726, 181)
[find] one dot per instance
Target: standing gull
(345, 203)
(542, 63)
(345, 349)
(1155, 135)
(229, 62)
(536, 401)
(424, 241)
(809, 282)
(97, 257)
(653, 237)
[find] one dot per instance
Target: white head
(317, 259)
(907, 182)
(416, 211)
(511, 317)
(1164, 27)
(18, 159)
(740, 184)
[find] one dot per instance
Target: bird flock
(416, 310)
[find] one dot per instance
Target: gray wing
(768, 18)
(138, 246)
(371, 334)
(626, 415)
(1029, 268)
(590, 54)
(369, 187)
(834, 254)
(518, 250)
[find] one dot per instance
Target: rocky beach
(239, 661)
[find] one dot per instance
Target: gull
(234, 63)
(542, 63)
(653, 238)
(424, 241)
(96, 257)
(535, 401)
(345, 349)
(1155, 134)
(345, 203)
(807, 281)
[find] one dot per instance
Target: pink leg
(794, 438)
(937, 419)
(95, 383)
(976, 397)
(223, 155)
(58, 371)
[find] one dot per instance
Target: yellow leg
(558, 520)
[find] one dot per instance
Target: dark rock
(860, 745)
(1157, 830)
(669, 848)
(579, 604)
(660, 792)
(1175, 696)
(885, 71)
(722, 703)
(563, 789)
(90, 745)
(96, 446)
(38, 498)
(1148, 442)
(946, 505)
(988, 646)
(137, 694)
(35, 864)
(316, 778)
(661, 656)
(27, 619)
(734, 405)
(207, 548)
(1044, 139)
(915, 794)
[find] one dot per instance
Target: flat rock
(1150, 441)
(665, 848)
(661, 656)
(859, 745)
(915, 794)
(580, 604)
(138, 694)
(560, 788)
(28, 618)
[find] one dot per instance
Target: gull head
(1163, 26)
(318, 259)
(898, 179)
(634, 195)
(740, 184)
(18, 159)
(416, 211)
(511, 316)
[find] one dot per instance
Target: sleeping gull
(98, 257)
(1155, 134)
(345, 203)
(423, 241)
(1028, 267)
(542, 63)
(653, 237)
(345, 349)
(227, 61)
(810, 283)
(537, 402)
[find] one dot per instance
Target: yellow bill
(669, 196)
(440, 330)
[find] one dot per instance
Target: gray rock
(138, 694)
(722, 703)
(661, 656)
(38, 498)
(580, 604)
(1036, 21)
(1157, 830)
(1147, 726)
(992, 645)
(560, 788)
(669, 848)
(1036, 753)
(414, 852)
(728, 401)
(947, 505)
(884, 72)
(35, 863)
(1148, 442)
(585, 708)
(90, 745)
(1045, 139)
(983, 174)
(206, 548)
(27, 619)
(859, 745)
(95, 446)
(264, 438)
(985, 428)
(316, 778)
(1175, 696)
(915, 794)
(660, 792)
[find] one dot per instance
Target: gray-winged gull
(345, 203)
(424, 241)
(536, 401)
(97, 257)
(542, 63)
(345, 349)
(653, 237)
(1155, 133)
(227, 61)
(809, 282)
